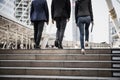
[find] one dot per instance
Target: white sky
(100, 12)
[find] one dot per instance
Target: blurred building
(113, 37)
(19, 9)
(22, 10)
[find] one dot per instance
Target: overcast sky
(100, 12)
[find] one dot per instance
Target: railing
(13, 31)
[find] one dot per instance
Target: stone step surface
(96, 64)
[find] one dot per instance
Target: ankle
(83, 51)
(86, 43)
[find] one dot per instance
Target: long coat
(60, 8)
(39, 11)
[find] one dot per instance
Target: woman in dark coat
(83, 16)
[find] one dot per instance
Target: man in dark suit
(60, 10)
(39, 14)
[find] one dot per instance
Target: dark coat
(39, 11)
(60, 8)
(83, 8)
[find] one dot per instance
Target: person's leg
(35, 32)
(39, 34)
(58, 32)
(86, 32)
(81, 28)
(87, 24)
(62, 30)
(58, 29)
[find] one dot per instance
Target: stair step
(103, 72)
(97, 64)
(31, 77)
(56, 63)
(60, 68)
(55, 57)
(56, 51)
(116, 51)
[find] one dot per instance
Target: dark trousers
(61, 25)
(38, 29)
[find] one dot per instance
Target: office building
(22, 10)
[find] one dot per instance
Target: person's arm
(47, 11)
(90, 9)
(68, 8)
(31, 11)
(76, 11)
(52, 9)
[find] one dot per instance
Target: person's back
(39, 10)
(84, 8)
(60, 8)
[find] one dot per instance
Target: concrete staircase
(97, 64)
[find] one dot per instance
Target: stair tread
(66, 61)
(56, 51)
(60, 68)
(59, 77)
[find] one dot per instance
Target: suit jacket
(60, 8)
(83, 8)
(39, 11)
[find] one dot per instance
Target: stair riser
(57, 72)
(28, 79)
(58, 51)
(56, 64)
(56, 57)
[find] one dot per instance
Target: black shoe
(56, 43)
(37, 47)
(60, 46)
